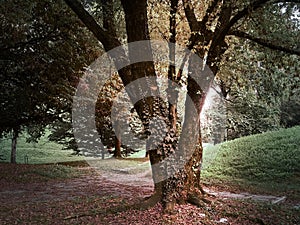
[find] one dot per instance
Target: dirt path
(268, 198)
(118, 183)
(94, 183)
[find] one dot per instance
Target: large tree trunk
(185, 186)
(137, 30)
(13, 155)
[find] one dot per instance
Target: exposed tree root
(197, 200)
(148, 202)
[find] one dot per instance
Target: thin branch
(191, 17)
(208, 12)
(241, 14)
(254, 6)
(265, 43)
(246, 11)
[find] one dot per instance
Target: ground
(82, 195)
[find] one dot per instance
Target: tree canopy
(41, 62)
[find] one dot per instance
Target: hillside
(271, 158)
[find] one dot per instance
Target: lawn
(268, 161)
(44, 151)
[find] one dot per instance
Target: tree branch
(194, 25)
(219, 37)
(191, 17)
(109, 42)
(254, 6)
(208, 12)
(246, 11)
(265, 43)
(223, 20)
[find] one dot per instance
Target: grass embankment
(37, 153)
(268, 161)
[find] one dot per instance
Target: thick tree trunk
(137, 30)
(13, 155)
(185, 185)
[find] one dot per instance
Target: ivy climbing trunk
(147, 108)
(185, 184)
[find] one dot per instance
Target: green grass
(37, 153)
(270, 159)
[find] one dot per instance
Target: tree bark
(13, 155)
(172, 92)
(137, 30)
(117, 152)
(185, 186)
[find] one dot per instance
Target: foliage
(290, 113)
(41, 60)
(109, 96)
(257, 83)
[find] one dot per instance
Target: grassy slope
(270, 160)
(41, 152)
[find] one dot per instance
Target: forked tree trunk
(186, 183)
(185, 186)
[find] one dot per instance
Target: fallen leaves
(92, 199)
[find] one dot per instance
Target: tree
(41, 61)
(209, 29)
(108, 96)
(258, 86)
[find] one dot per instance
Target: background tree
(41, 60)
